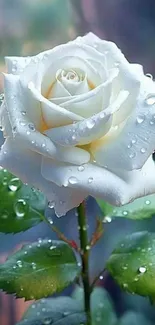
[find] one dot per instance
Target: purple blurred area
(30, 26)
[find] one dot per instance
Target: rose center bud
(71, 75)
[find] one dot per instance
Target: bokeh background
(30, 26)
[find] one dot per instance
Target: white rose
(79, 120)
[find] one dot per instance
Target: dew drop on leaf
(142, 269)
(21, 207)
(14, 184)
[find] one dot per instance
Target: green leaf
(141, 208)
(54, 311)
(132, 264)
(102, 308)
(132, 318)
(101, 305)
(39, 270)
(21, 207)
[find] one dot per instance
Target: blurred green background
(30, 26)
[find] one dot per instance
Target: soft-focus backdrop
(30, 26)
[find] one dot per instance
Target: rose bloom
(79, 120)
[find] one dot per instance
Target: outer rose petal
(26, 165)
(16, 65)
(135, 143)
(101, 183)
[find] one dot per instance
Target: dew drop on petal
(142, 150)
(90, 180)
(81, 168)
(90, 124)
(150, 100)
(147, 202)
(51, 204)
(101, 277)
(73, 180)
(23, 113)
(149, 75)
(140, 119)
(132, 155)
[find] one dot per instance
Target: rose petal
(53, 114)
(81, 133)
(100, 183)
(135, 143)
(92, 102)
(26, 132)
(26, 165)
(16, 65)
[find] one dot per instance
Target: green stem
(84, 245)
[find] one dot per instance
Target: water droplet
(51, 204)
(4, 215)
(129, 146)
(90, 123)
(47, 321)
(34, 266)
(150, 100)
(140, 119)
(73, 180)
(90, 180)
(73, 137)
(66, 313)
(33, 306)
(81, 168)
(43, 309)
(21, 207)
(147, 202)
(125, 213)
(87, 247)
(19, 263)
(31, 126)
(142, 150)
(101, 277)
(1, 98)
(28, 132)
(50, 220)
(133, 141)
(125, 285)
(102, 114)
(14, 184)
(142, 269)
(43, 145)
(124, 267)
(52, 247)
(23, 113)
(136, 279)
(149, 75)
(132, 155)
(107, 219)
